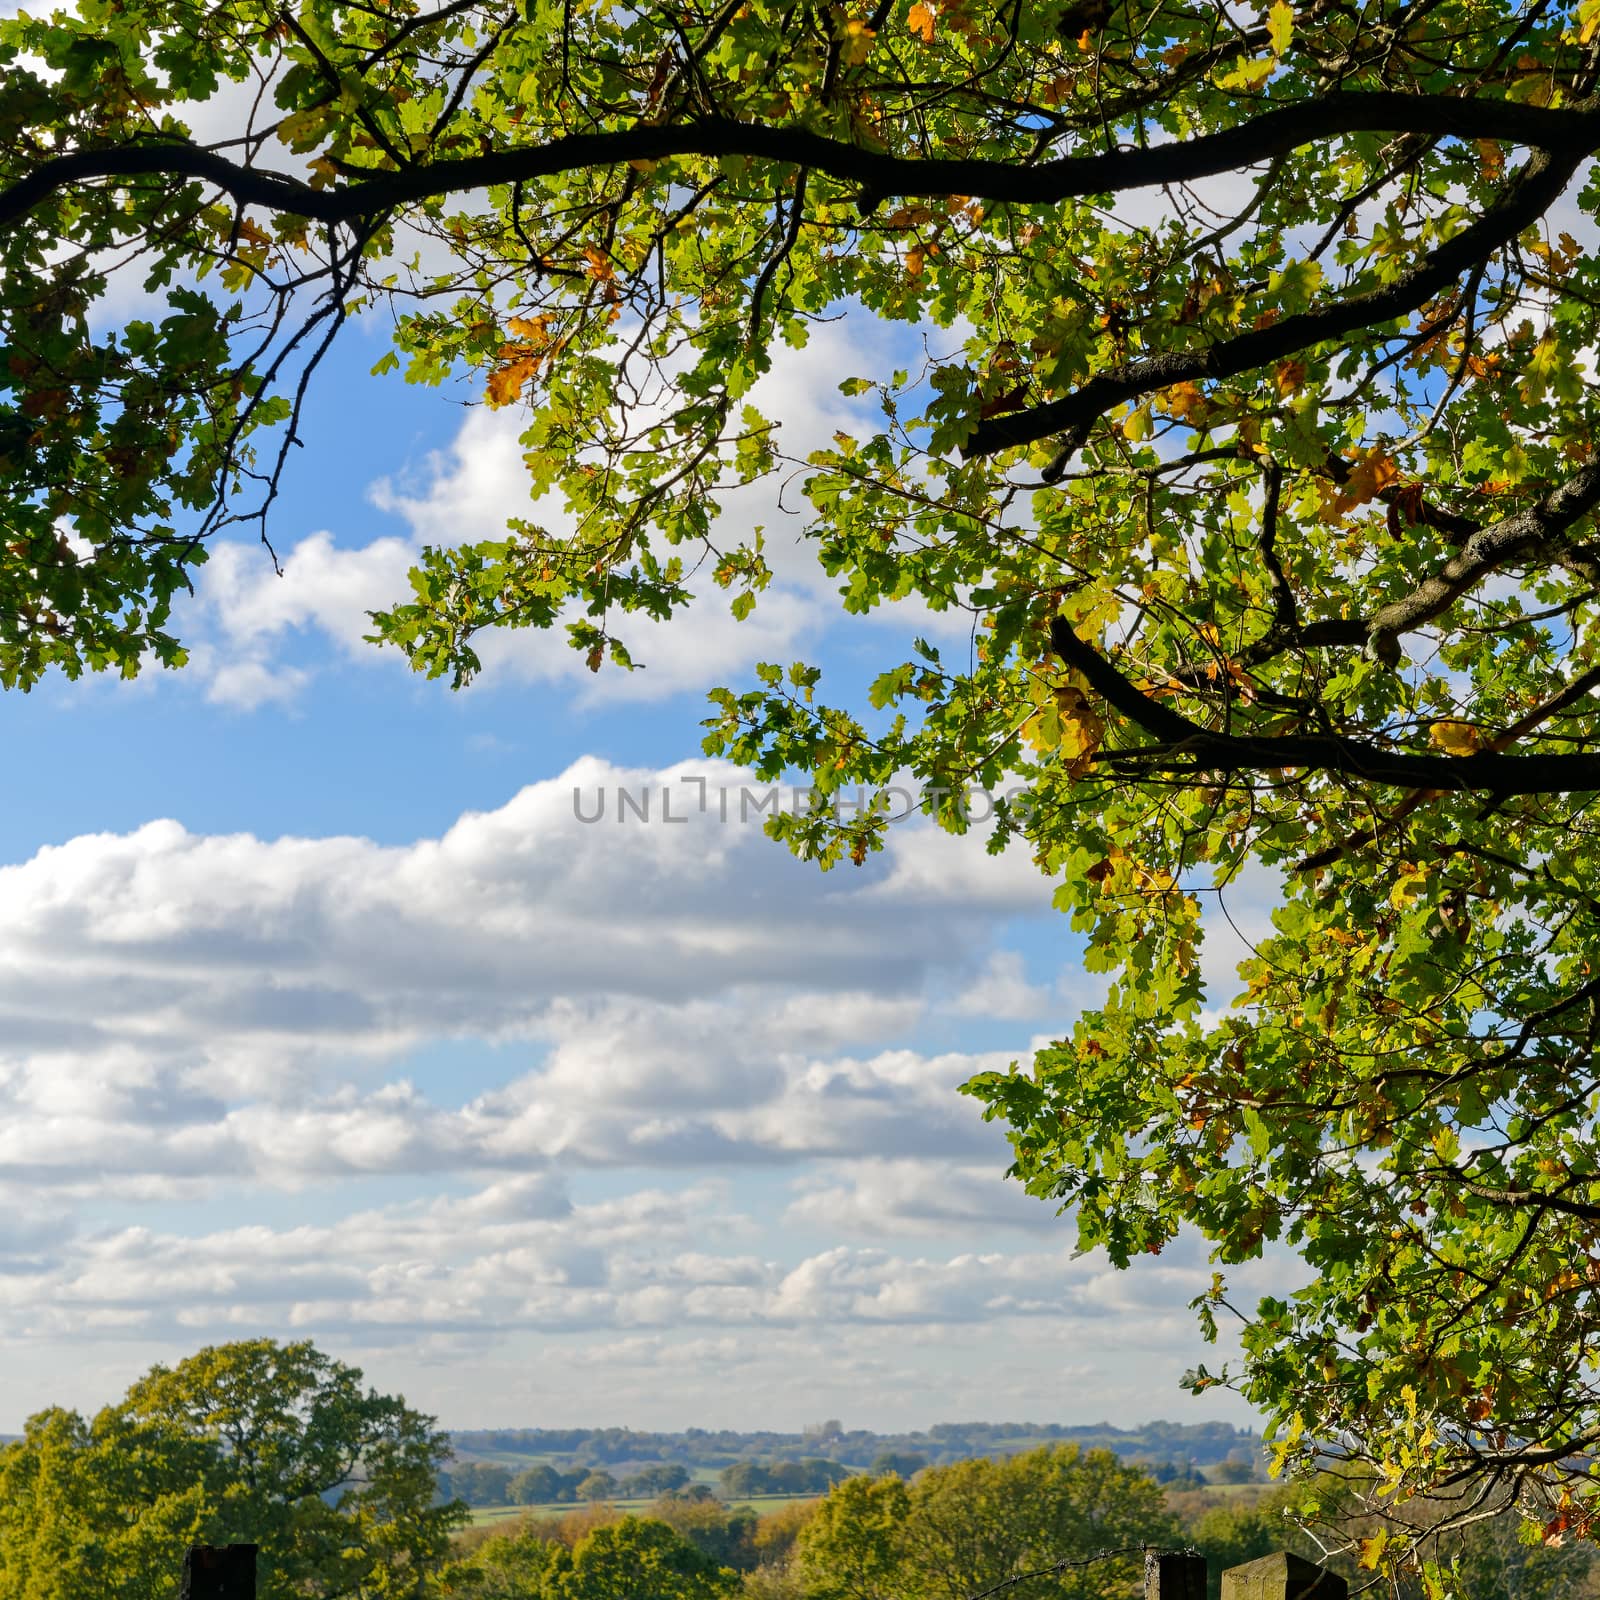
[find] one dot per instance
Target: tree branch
(1185, 746)
(1537, 186)
(1574, 130)
(1489, 549)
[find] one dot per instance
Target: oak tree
(255, 1442)
(1249, 424)
(1072, 1521)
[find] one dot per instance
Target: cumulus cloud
(875, 1197)
(675, 992)
(1002, 990)
(520, 1256)
(647, 1087)
(264, 633)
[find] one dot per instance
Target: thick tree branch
(1536, 188)
(1573, 130)
(1185, 746)
(1485, 552)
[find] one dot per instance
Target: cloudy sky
(325, 1011)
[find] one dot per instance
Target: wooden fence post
(1174, 1575)
(219, 1572)
(1283, 1576)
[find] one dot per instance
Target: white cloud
(266, 633)
(321, 586)
(520, 1256)
(871, 1198)
(671, 993)
(929, 866)
(1002, 991)
(263, 636)
(247, 684)
(649, 1089)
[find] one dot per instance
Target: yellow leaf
(920, 21)
(1136, 425)
(301, 129)
(1372, 1549)
(1280, 26)
(1248, 75)
(1544, 365)
(1081, 728)
(1455, 738)
(855, 43)
(1407, 888)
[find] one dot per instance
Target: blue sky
(326, 1015)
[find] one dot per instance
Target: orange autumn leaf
(919, 19)
(1370, 476)
(505, 383)
(1291, 375)
(525, 328)
(1184, 401)
(1081, 729)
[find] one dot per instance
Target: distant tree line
(491, 1483)
(957, 1529)
(620, 1450)
(488, 1483)
(811, 1476)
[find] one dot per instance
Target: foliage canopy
(256, 1442)
(635, 1558)
(961, 1529)
(1254, 433)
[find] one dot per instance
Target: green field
(758, 1502)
